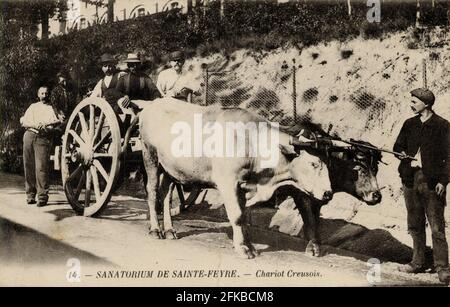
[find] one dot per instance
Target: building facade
(82, 14)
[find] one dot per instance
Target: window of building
(82, 23)
(141, 12)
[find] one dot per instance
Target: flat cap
(107, 58)
(176, 55)
(424, 94)
(62, 74)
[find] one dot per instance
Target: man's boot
(444, 275)
(417, 265)
(412, 268)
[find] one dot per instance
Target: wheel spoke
(67, 185)
(91, 121)
(102, 155)
(74, 173)
(84, 127)
(99, 126)
(87, 199)
(95, 183)
(79, 187)
(101, 169)
(103, 140)
(91, 156)
(76, 137)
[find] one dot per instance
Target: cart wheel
(90, 159)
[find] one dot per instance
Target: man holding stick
(425, 137)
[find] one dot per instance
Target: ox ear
(338, 154)
(289, 151)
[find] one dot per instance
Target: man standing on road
(172, 83)
(426, 138)
(41, 122)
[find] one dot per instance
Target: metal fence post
(294, 91)
(424, 71)
(206, 85)
(418, 25)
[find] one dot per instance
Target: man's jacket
(61, 100)
(137, 86)
(432, 137)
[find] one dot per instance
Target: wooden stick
(378, 149)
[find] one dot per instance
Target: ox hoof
(246, 252)
(253, 249)
(155, 234)
(170, 234)
(312, 249)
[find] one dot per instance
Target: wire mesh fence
(358, 98)
(232, 88)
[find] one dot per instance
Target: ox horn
(340, 144)
(296, 142)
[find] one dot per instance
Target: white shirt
(170, 83)
(418, 161)
(97, 91)
(418, 156)
(37, 114)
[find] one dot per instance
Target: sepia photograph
(224, 143)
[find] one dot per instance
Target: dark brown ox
(352, 170)
(297, 168)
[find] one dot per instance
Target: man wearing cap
(171, 82)
(108, 63)
(135, 85)
(426, 138)
(60, 98)
(106, 87)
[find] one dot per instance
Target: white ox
(163, 136)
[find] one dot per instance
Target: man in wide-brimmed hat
(135, 84)
(426, 138)
(172, 83)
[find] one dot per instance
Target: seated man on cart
(106, 86)
(135, 85)
(172, 83)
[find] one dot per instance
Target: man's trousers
(423, 202)
(36, 160)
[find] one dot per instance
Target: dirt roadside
(37, 242)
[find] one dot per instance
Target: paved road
(36, 244)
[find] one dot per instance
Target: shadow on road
(22, 245)
(127, 211)
(226, 230)
(61, 214)
(338, 236)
